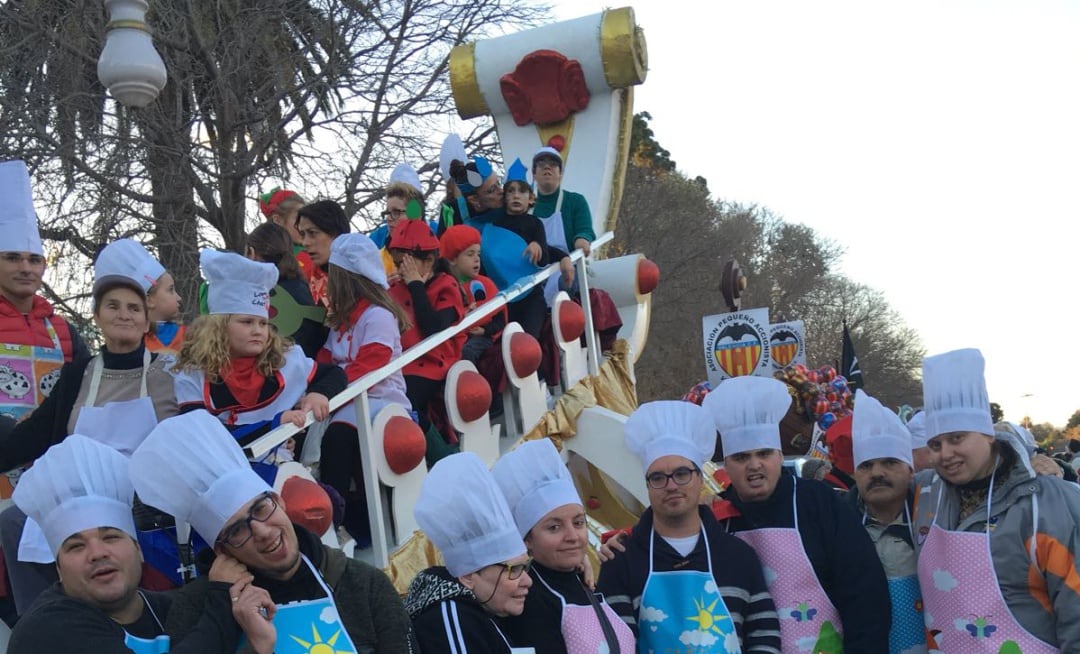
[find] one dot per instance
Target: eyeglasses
(681, 476)
(546, 163)
(15, 258)
(515, 570)
(393, 213)
(240, 532)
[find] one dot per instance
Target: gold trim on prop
(463, 83)
(622, 155)
(622, 48)
(129, 24)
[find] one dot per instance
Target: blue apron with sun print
(311, 626)
(683, 610)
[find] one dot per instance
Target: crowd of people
(955, 536)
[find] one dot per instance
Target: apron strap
(605, 624)
(95, 377)
(153, 614)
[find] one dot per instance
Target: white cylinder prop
(129, 66)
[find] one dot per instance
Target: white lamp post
(129, 65)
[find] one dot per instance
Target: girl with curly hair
(239, 369)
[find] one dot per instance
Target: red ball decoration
(473, 395)
(524, 354)
(307, 504)
(648, 276)
(403, 444)
(593, 503)
(571, 320)
(558, 142)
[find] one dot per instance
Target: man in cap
(920, 454)
(81, 494)
(881, 447)
(681, 578)
(35, 341)
(192, 468)
(996, 543)
(823, 572)
(564, 213)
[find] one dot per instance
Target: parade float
(568, 86)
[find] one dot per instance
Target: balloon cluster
(824, 395)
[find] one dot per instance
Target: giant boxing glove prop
(569, 86)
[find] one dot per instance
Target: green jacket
(576, 217)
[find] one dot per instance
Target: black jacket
(58, 623)
(447, 617)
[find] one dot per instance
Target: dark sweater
(58, 623)
(365, 598)
(839, 549)
(735, 567)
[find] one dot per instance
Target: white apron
(122, 425)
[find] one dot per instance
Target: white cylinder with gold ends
(129, 66)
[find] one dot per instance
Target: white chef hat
(535, 482)
(670, 427)
(463, 512)
(236, 284)
(18, 222)
(877, 433)
(358, 254)
(126, 260)
(917, 427)
(76, 485)
(747, 412)
(406, 174)
(191, 467)
(954, 394)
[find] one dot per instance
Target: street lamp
(129, 65)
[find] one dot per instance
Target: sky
(938, 142)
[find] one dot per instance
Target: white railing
(357, 391)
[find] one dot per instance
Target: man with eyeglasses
(192, 468)
(34, 342)
(404, 187)
(823, 572)
(681, 581)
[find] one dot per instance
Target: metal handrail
(275, 437)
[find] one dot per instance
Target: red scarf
(243, 380)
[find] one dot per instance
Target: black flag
(849, 363)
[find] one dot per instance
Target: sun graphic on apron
(706, 619)
(320, 647)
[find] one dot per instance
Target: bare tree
(327, 94)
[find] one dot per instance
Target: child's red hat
(457, 239)
(413, 235)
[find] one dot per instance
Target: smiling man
(997, 543)
(191, 467)
(823, 572)
(80, 493)
(682, 579)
